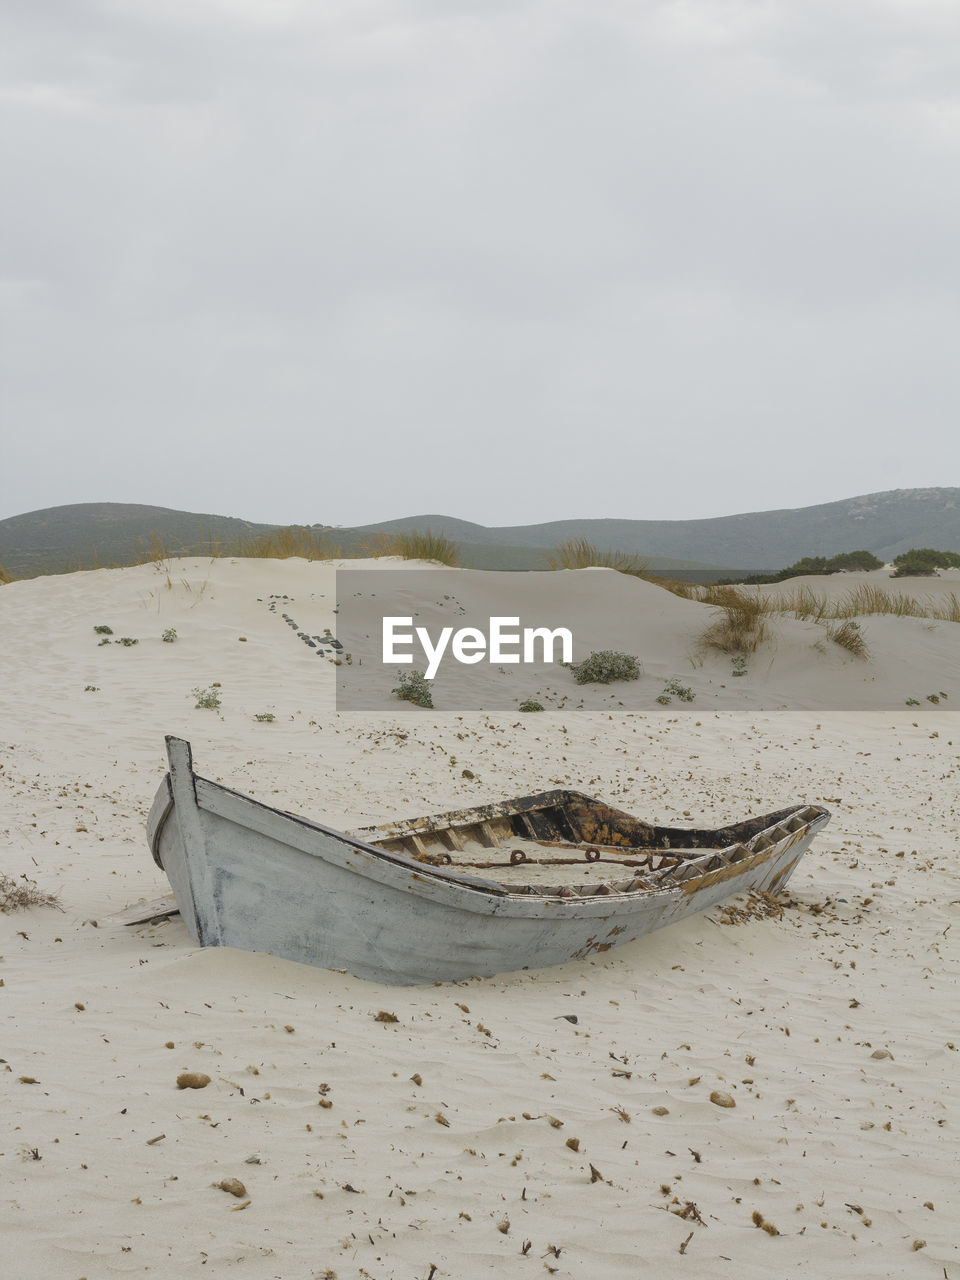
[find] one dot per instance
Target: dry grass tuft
(848, 635)
(5, 577)
(578, 553)
(284, 544)
(17, 895)
(741, 626)
(863, 601)
(416, 545)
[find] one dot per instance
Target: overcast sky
(304, 261)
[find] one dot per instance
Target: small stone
(661, 1111)
(192, 1080)
(881, 1053)
(573, 1144)
(720, 1099)
(233, 1186)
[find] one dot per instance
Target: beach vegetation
(578, 553)
(413, 687)
(207, 699)
(923, 562)
(126, 641)
(5, 576)
(265, 717)
(103, 630)
(415, 544)
(17, 895)
(531, 704)
(849, 635)
(740, 624)
(169, 636)
(284, 544)
(675, 689)
(605, 666)
(91, 688)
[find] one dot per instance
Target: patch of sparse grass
(126, 641)
(265, 717)
(207, 699)
(5, 576)
(741, 625)
(413, 687)
(17, 895)
(104, 640)
(91, 688)
(284, 544)
(531, 704)
(415, 545)
(578, 553)
(605, 666)
(849, 636)
(913, 702)
(862, 601)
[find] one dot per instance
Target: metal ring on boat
(517, 856)
(592, 855)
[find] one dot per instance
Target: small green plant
(413, 687)
(933, 697)
(91, 688)
(664, 700)
(265, 717)
(678, 690)
(739, 665)
(103, 630)
(105, 640)
(605, 666)
(127, 641)
(169, 635)
(913, 702)
(207, 699)
(531, 704)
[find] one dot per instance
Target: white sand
(840, 1150)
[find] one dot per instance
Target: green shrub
(605, 666)
(531, 704)
(265, 717)
(207, 699)
(739, 665)
(103, 630)
(105, 640)
(126, 641)
(676, 689)
(169, 636)
(413, 687)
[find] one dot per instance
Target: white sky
(505, 259)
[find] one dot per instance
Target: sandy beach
(551, 1121)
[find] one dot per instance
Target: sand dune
(833, 1027)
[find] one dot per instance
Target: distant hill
(62, 538)
(87, 534)
(884, 523)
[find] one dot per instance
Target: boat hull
(248, 876)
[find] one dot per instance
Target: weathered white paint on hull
(248, 876)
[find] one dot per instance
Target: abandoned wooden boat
(519, 884)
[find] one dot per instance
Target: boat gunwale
(502, 894)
